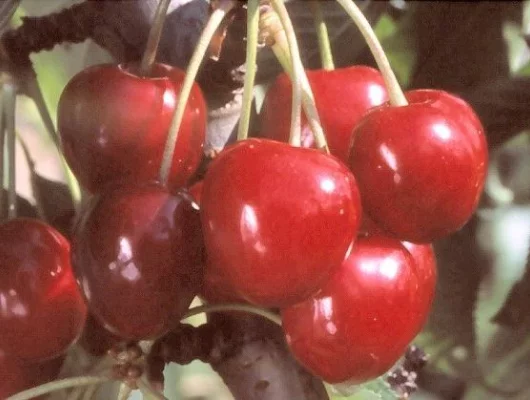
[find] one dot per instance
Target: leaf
(502, 106)
(451, 53)
(377, 389)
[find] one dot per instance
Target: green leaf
(377, 389)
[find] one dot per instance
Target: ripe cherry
(114, 125)
(277, 219)
(420, 168)
(96, 339)
(17, 377)
(427, 274)
(42, 311)
(359, 325)
(137, 257)
(342, 97)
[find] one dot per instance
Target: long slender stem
(250, 75)
(59, 385)
(124, 392)
(228, 307)
(324, 45)
(154, 37)
(296, 109)
(280, 48)
(10, 98)
(193, 67)
(397, 98)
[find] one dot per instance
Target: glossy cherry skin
(114, 124)
(17, 377)
(342, 97)
(421, 168)
(42, 311)
(136, 252)
(359, 325)
(277, 220)
(96, 339)
(427, 274)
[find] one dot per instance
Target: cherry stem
(59, 385)
(280, 48)
(193, 67)
(395, 93)
(324, 45)
(33, 174)
(124, 392)
(153, 40)
(228, 307)
(295, 136)
(10, 99)
(250, 74)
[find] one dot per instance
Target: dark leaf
(460, 44)
(55, 203)
(502, 105)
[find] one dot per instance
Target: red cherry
(16, 377)
(359, 325)
(196, 191)
(277, 220)
(342, 97)
(42, 311)
(420, 168)
(427, 274)
(137, 255)
(96, 339)
(114, 125)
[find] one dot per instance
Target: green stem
(324, 45)
(124, 392)
(59, 385)
(397, 98)
(153, 40)
(308, 99)
(200, 50)
(228, 307)
(250, 75)
(10, 99)
(296, 108)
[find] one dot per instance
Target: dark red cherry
(137, 256)
(359, 325)
(16, 377)
(277, 220)
(114, 124)
(96, 339)
(420, 168)
(427, 273)
(342, 97)
(42, 311)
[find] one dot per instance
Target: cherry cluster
(339, 243)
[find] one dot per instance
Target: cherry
(342, 97)
(96, 339)
(42, 311)
(136, 252)
(427, 274)
(17, 377)
(277, 219)
(359, 325)
(420, 168)
(114, 125)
